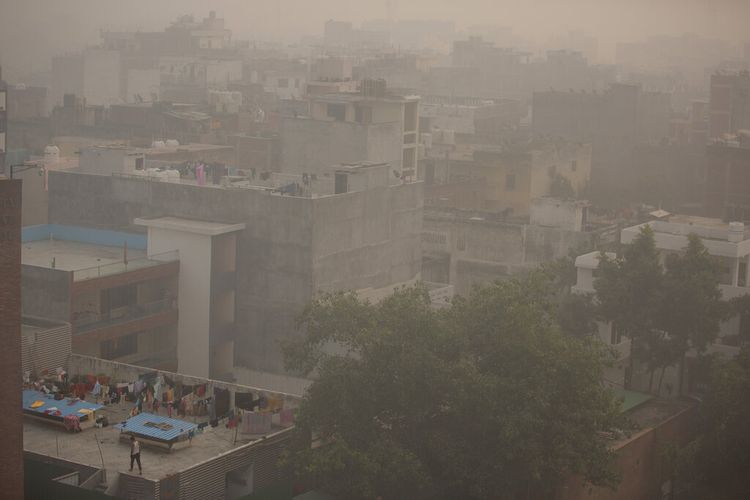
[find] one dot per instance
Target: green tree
(629, 291)
(484, 399)
(665, 311)
(691, 308)
(716, 463)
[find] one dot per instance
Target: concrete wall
(313, 146)
(194, 300)
(639, 461)
(45, 292)
(101, 76)
(290, 248)
(479, 251)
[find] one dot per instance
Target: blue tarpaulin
(66, 406)
(156, 427)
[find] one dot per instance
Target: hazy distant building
(370, 125)
(93, 74)
(727, 179)
(3, 121)
(505, 179)
(730, 103)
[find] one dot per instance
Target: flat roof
(190, 225)
(45, 405)
(52, 440)
(73, 255)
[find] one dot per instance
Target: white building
(728, 242)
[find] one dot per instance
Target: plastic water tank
(172, 143)
(736, 232)
(173, 176)
(162, 175)
(51, 155)
(158, 144)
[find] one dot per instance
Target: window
(121, 296)
(573, 165)
(363, 114)
(337, 112)
(119, 347)
(283, 83)
(510, 182)
(615, 336)
(742, 274)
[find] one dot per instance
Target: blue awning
(156, 427)
(65, 407)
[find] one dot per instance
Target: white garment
(135, 448)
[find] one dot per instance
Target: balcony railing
(124, 267)
(122, 315)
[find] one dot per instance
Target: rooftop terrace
(88, 253)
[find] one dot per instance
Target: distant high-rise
(3, 120)
(730, 103)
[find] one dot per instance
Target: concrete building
(465, 248)
(3, 121)
(371, 125)
(121, 304)
(193, 459)
(301, 235)
(207, 290)
(93, 74)
(11, 460)
(506, 179)
(728, 242)
(727, 179)
(27, 102)
(477, 120)
(45, 346)
(730, 103)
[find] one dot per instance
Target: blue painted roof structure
(138, 425)
(29, 397)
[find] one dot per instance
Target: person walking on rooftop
(135, 454)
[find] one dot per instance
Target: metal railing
(123, 315)
(123, 267)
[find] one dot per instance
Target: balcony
(125, 267)
(123, 315)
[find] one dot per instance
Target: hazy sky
(32, 30)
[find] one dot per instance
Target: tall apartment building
(730, 103)
(3, 120)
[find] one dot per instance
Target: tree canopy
(716, 463)
(665, 310)
(483, 399)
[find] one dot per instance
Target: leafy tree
(561, 187)
(629, 292)
(691, 308)
(716, 463)
(484, 399)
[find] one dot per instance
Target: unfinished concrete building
(350, 229)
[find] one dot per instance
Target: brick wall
(11, 459)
